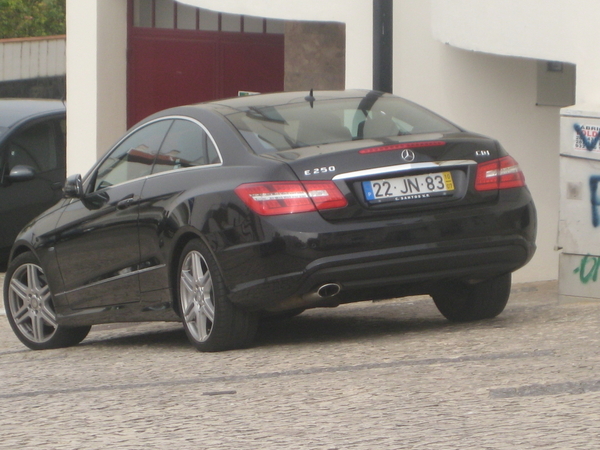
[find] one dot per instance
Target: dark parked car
(32, 163)
(219, 213)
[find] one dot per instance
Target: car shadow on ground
(312, 327)
(138, 335)
(324, 327)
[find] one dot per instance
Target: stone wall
(315, 55)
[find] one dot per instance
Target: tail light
(503, 173)
(290, 197)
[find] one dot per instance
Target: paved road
(389, 375)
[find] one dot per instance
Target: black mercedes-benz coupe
(219, 213)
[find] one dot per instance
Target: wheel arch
(20, 248)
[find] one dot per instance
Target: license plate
(412, 187)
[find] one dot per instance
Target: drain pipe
(383, 19)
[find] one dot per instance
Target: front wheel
(30, 308)
(463, 303)
(211, 322)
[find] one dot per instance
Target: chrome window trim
(158, 119)
(133, 180)
(201, 125)
(186, 169)
(402, 168)
(153, 175)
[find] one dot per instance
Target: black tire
(30, 308)
(211, 321)
(464, 303)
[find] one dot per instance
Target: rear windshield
(270, 129)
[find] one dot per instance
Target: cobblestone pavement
(386, 375)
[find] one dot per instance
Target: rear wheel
(463, 303)
(30, 308)
(211, 321)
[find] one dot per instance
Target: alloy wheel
(196, 293)
(30, 303)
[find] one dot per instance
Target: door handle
(126, 202)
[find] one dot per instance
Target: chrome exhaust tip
(323, 292)
(329, 290)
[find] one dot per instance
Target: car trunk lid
(395, 175)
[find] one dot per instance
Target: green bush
(28, 18)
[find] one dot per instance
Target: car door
(97, 242)
(41, 146)
(177, 183)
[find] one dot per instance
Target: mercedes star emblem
(408, 155)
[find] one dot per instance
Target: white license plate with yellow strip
(413, 187)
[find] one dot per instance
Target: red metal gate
(170, 67)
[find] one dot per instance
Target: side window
(35, 146)
(132, 158)
(186, 145)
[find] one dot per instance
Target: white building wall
(560, 30)
(493, 95)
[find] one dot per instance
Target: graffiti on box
(588, 269)
(595, 202)
(587, 138)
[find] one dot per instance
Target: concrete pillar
(96, 79)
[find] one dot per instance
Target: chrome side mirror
(73, 187)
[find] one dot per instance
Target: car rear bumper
(371, 260)
(387, 273)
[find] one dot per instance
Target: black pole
(383, 45)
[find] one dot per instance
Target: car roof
(227, 106)
(281, 98)
(14, 110)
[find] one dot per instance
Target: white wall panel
(43, 59)
(12, 61)
(56, 58)
(51, 62)
(31, 58)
